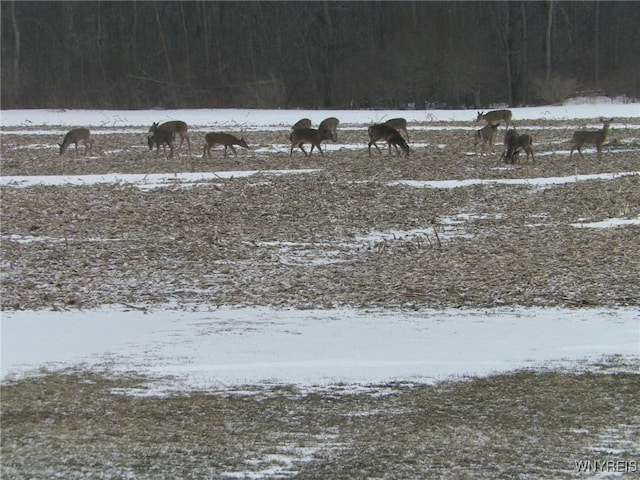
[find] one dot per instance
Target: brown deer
(400, 124)
(591, 137)
(74, 136)
(175, 126)
(495, 117)
(160, 137)
(514, 144)
(330, 124)
(381, 131)
(299, 136)
(226, 139)
(484, 135)
(302, 123)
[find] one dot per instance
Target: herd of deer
(301, 132)
(514, 143)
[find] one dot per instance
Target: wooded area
(327, 54)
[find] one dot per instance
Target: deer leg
(375, 145)
(234, 150)
(580, 152)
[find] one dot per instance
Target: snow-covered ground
(228, 348)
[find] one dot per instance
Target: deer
(299, 136)
(591, 137)
(75, 136)
(330, 124)
(495, 117)
(515, 143)
(484, 135)
(400, 124)
(302, 123)
(382, 131)
(175, 126)
(160, 137)
(226, 139)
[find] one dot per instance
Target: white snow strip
(152, 180)
(533, 182)
(226, 348)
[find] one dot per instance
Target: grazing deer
(381, 131)
(495, 117)
(226, 139)
(175, 126)
(591, 137)
(302, 123)
(484, 135)
(399, 124)
(74, 136)
(299, 136)
(160, 137)
(515, 143)
(330, 124)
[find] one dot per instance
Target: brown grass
(224, 242)
(533, 424)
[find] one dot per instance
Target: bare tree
(547, 45)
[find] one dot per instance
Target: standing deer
(160, 137)
(302, 123)
(226, 139)
(484, 135)
(299, 136)
(330, 124)
(591, 137)
(175, 126)
(399, 124)
(515, 143)
(382, 131)
(495, 117)
(74, 136)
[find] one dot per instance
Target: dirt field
(223, 241)
(300, 241)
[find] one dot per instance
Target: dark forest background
(327, 54)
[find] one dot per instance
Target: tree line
(319, 54)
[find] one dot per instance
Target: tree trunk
(507, 54)
(547, 53)
(525, 59)
(205, 39)
(16, 58)
(328, 54)
(163, 42)
(186, 43)
(596, 46)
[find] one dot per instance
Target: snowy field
(226, 348)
